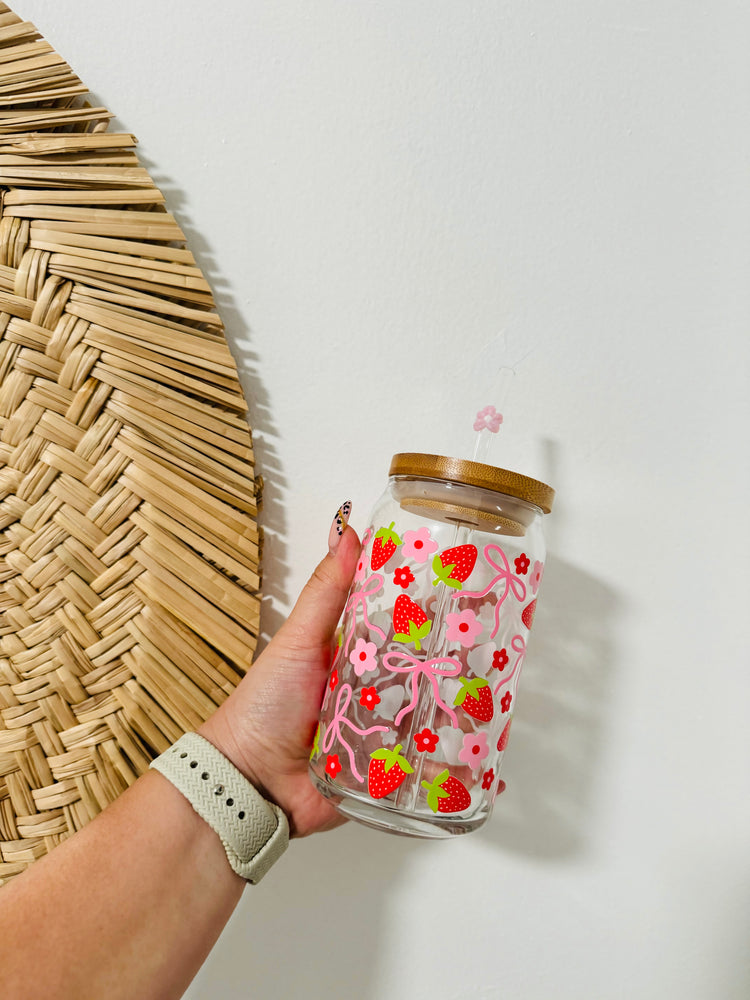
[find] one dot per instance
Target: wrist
(220, 731)
(253, 830)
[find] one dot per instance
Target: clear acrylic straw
(490, 417)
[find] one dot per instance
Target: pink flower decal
(474, 750)
(403, 577)
(522, 563)
(418, 545)
(426, 741)
(333, 765)
(463, 627)
(488, 419)
(487, 778)
(500, 659)
(363, 657)
(505, 701)
(535, 577)
(334, 679)
(369, 698)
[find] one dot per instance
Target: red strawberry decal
(447, 794)
(387, 770)
(527, 615)
(453, 567)
(504, 736)
(384, 546)
(475, 697)
(410, 623)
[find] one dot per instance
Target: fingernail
(338, 526)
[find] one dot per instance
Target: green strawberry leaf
(391, 758)
(470, 687)
(435, 790)
(388, 534)
(418, 633)
(403, 763)
(316, 744)
(443, 574)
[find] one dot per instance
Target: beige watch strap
(254, 832)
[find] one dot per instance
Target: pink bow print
(359, 600)
(429, 668)
(519, 645)
(504, 573)
(339, 719)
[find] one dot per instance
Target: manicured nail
(338, 526)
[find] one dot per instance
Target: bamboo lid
(488, 477)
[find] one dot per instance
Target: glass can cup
(419, 701)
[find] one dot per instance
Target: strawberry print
(504, 736)
(410, 623)
(475, 698)
(384, 546)
(446, 794)
(387, 771)
(453, 567)
(527, 615)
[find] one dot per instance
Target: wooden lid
(487, 477)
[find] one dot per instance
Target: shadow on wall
(552, 764)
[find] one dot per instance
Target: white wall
(375, 190)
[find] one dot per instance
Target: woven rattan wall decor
(129, 557)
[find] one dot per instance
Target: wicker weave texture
(129, 553)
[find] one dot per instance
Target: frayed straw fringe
(129, 550)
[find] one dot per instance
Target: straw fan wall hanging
(129, 585)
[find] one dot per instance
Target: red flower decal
(426, 741)
(403, 577)
(369, 698)
(505, 701)
(333, 764)
(487, 778)
(500, 659)
(522, 563)
(334, 680)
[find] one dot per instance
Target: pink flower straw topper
(488, 419)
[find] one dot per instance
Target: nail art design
(341, 519)
(338, 526)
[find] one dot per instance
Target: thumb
(314, 617)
